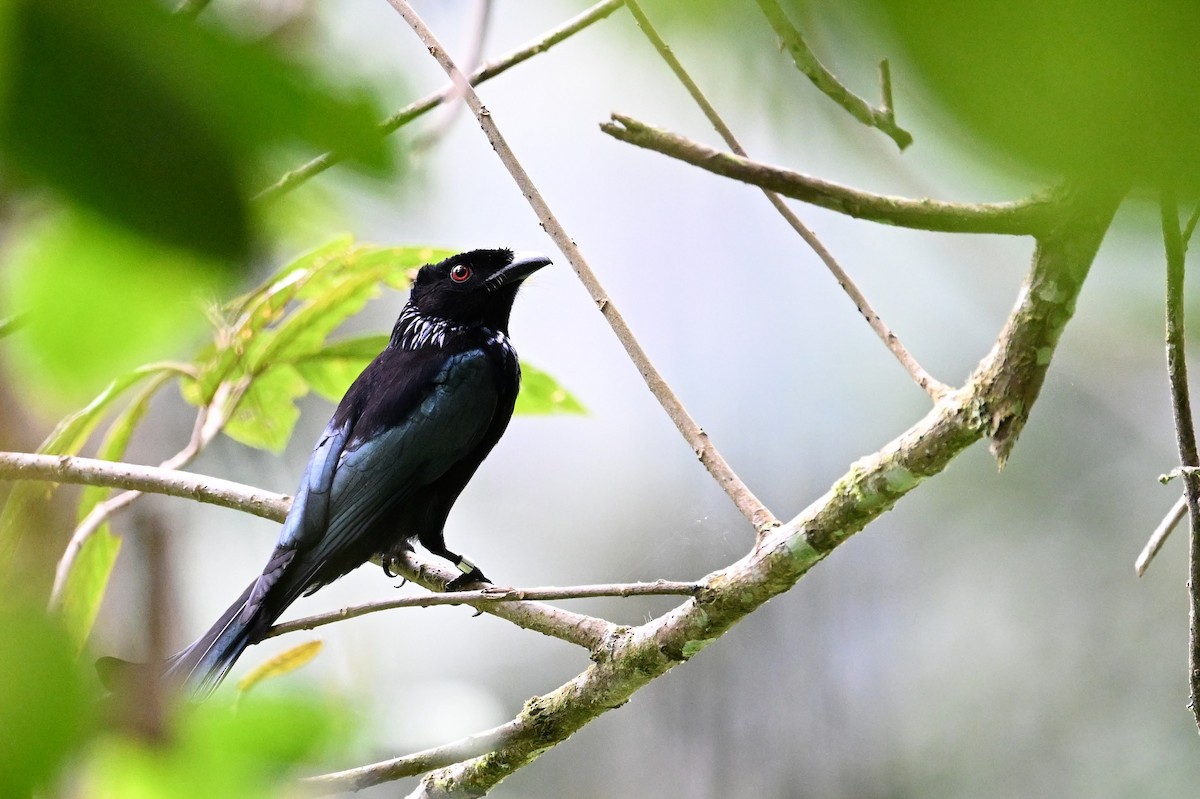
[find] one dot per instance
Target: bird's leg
(470, 572)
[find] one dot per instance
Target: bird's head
(474, 288)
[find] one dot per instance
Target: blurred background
(985, 638)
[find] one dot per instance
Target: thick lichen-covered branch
(1025, 218)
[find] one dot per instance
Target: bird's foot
(470, 574)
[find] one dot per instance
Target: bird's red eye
(460, 273)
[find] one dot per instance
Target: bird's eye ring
(460, 273)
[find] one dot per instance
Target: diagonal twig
(742, 496)
(1185, 431)
(316, 166)
(1159, 536)
(883, 119)
(934, 388)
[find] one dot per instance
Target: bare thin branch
(1025, 218)
(806, 61)
(413, 110)
(491, 594)
(922, 378)
(1185, 430)
(743, 498)
(1159, 536)
(188, 485)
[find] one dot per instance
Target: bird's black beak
(522, 266)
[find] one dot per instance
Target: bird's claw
(462, 581)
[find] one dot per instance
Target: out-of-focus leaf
(214, 751)
(86, 583)
(132, 303)
(267, 412)
(1103, 90)
(330, 371)
(284, 663)
(297, 308)
(155, 122)
(541, 394)
(336, 295)
(45, 709)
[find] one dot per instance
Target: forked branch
(884, 119)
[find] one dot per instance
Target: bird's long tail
(202, 665)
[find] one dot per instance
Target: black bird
(400, 448)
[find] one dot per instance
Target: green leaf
(267, 413)
(156, 122)
(45, 709)
(541, 395)
(87, 581)
(334, 297)
(330, 371)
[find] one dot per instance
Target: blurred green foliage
(98, 299)
(1099, 90)
(150, 130)
(156, 122)
(216, 750)
(45, 707)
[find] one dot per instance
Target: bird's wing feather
(380, 472)
(356, 474)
